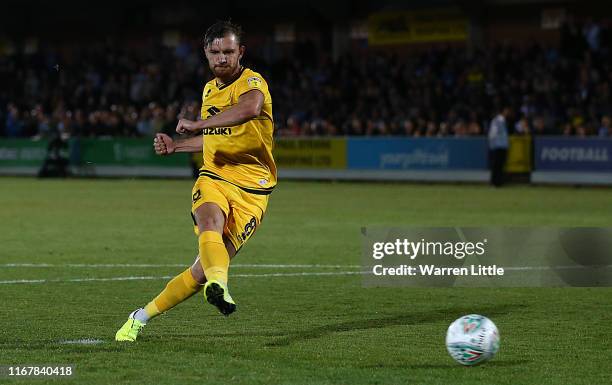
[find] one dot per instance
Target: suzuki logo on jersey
(217, 131)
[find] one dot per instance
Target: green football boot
(130, 329)
(216, 293)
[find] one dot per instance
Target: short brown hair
(220, 29)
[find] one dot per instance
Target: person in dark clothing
(498, 146)
(56, 162)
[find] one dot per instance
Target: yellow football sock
(213, 256)
(177, 290)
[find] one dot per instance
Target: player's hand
(184, 126)
(163, 144)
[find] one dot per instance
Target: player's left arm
(248, 107)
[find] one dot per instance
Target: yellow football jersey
(241, 155)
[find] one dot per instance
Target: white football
(472, 339)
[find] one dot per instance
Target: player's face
(224, 56)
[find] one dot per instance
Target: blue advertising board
(573, 154)
(417, 153)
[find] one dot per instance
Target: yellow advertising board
(304, 153)
(417, 27)
(519, 154)
(310, 153)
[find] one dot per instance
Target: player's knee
(210, 218)
(211, 223)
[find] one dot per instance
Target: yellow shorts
(243, 210)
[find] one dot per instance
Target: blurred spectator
(144, 127)
(591, 34)
(446, 91)
(539, 126)
(522, 126)
(13, 124)
(581, 131)
(606, 128)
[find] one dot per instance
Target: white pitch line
(143, 278)
(263, 275)
(300, 274)
(82, 279)
(237, 265)
(255, 265)
(519, 268)
(25, 281)
(83, 341)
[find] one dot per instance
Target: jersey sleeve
(252, 81)
(203, 113)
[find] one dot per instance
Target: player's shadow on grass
(407, 318)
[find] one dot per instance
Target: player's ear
(241, 50)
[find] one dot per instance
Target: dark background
(80, 68)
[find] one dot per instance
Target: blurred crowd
(110, 90)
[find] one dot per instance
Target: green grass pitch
(289, 329)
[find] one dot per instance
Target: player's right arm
(165, 145)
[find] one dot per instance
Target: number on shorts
(249, 229)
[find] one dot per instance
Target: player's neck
(235, 75)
